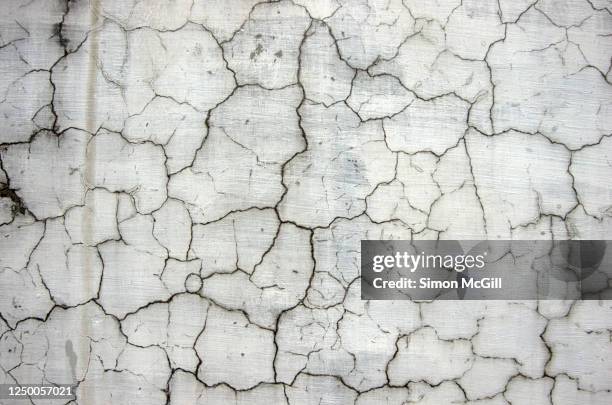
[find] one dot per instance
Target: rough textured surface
(184, 185)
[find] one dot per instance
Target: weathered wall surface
(184, 185)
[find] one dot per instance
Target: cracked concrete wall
(184, 185)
